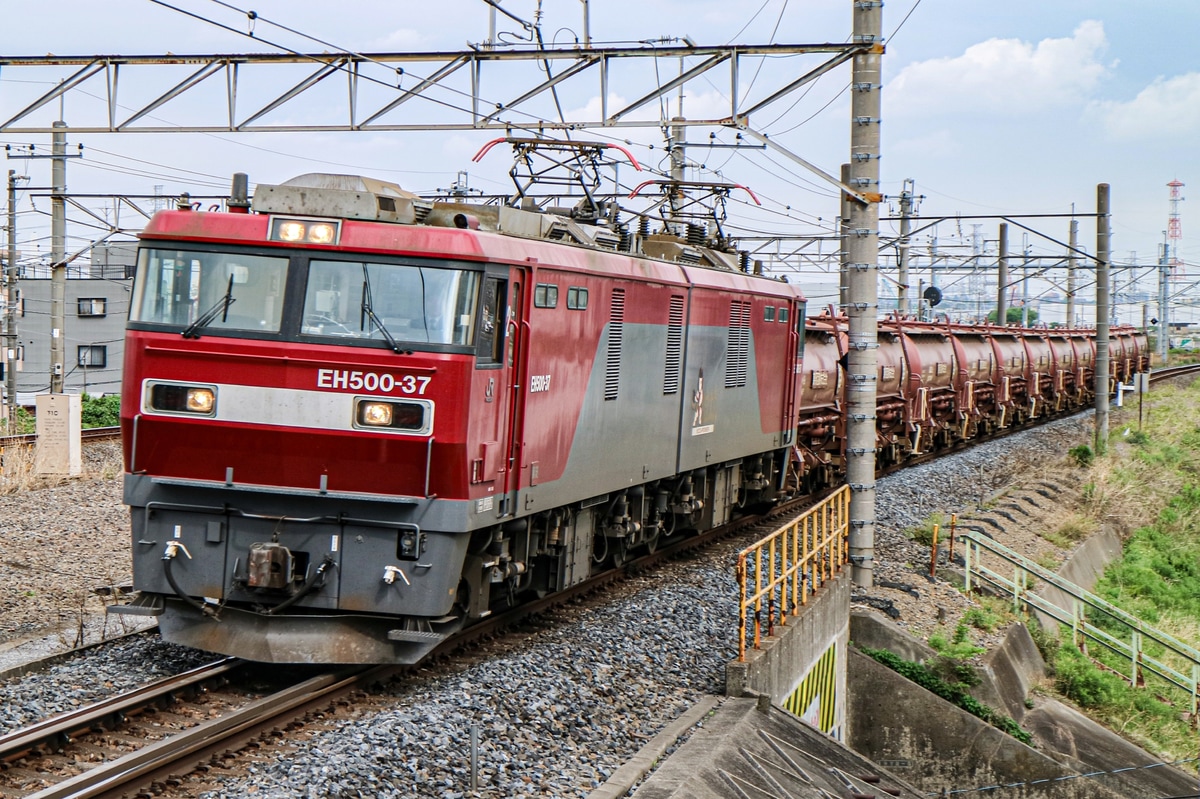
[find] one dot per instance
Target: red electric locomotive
(355, 420)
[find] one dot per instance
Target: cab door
(499, 347)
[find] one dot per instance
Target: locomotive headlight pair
(176, 398)
(308, 231)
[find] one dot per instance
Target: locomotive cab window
(402, 302)
(209, 290)
(799, 329)
(490, 344)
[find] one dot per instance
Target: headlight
(322, 233)
(172, 398)
(376, 414)
(291, 231)
(409, 417)
(313, 231)
(201, 400)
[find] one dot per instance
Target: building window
(93, 306)
(93, 356)
(545, 295)
(577, 298)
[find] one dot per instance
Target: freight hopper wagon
(943, 384)
(355, 421)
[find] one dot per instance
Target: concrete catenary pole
(863, 289)
(1164, 308)
(1073, 241)
(10, 306)
(1002, 276)
(1025, 282)
(1102, 299)
(844, 226)
(58, 257)
(906, 208)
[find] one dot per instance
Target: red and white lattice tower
(1175, 231)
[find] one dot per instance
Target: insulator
(643, 226)
(744, 260)
(626, 241)
(695, 234)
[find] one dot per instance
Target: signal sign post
(59, 430)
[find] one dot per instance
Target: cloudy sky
(1019, 107)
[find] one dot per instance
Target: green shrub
(951, 692)
(1082, 455)
(924, 534)
(1138, 437)
(981, 619)
(101, 411)
(1078, 679)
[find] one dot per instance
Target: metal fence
(777, 574)
(1183, 670)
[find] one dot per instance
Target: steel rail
(182, 752)
(1167, 372)
(87, 434)
(54, 732)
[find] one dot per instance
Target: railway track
(88, 749)
(87, 434)
(144, 741)
(1168, 372)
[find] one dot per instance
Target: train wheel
(620, 553)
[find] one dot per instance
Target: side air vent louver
(737, 348)
(674, 346)
(616, 335)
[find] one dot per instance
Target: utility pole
(678, 161)
(10, 306)
(58, 246)
(863, 289)
(1102, 300)
(1073, 242)
(1002, 278)
(1164, 327)
(906, 210)
(843, 231)
(1025, 282)
(58, 256)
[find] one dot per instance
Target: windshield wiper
(221, 307)
(368, 312)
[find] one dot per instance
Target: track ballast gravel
(558, 712)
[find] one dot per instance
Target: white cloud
(1166, 108)
(1004, 76)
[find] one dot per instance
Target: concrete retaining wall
(1084, 568)
(935, 745)
(778, 668)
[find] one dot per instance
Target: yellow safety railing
(780, 572)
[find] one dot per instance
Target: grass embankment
(1147, 486)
